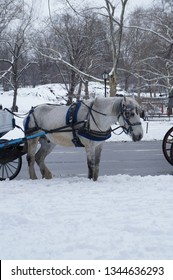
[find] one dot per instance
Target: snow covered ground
(117, 217)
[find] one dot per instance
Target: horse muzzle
(137, 137)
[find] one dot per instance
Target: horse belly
(61, 138)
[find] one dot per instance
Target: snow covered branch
(9, 69)
(170, 41)
(59, 58)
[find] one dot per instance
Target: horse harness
(74, 126)
(126, 113)
(84, 130)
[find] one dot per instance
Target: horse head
(129, 118)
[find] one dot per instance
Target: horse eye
(127, 114)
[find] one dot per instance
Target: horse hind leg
(45, 149)
(32, 146)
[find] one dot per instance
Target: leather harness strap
(71, 125)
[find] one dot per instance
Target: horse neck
(108, 118)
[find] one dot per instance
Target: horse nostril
(140, 136)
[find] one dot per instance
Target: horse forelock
(133, 103)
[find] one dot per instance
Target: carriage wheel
(167, 146)
(9, 170)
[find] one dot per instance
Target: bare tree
(75, 45)
(9, 9)
(154, 44)
(114, 12)
(116, 32)
(14, 40)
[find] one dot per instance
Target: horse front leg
(32, 146)
(90, 152)
(98, 151)
(90, 168)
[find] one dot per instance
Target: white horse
(87, 124)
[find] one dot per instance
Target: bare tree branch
(152, 31)
(60, 59)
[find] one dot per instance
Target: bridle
(126, 113)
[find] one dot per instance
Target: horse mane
(127, 101)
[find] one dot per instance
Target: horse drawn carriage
(11, 151)
(85, 123)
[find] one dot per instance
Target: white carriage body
(6, 122)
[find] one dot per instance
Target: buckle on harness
(76, 141)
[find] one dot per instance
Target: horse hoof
(47, 176)
(34, 178)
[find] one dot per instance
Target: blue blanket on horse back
(71, 116)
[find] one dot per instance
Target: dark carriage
(167, 146)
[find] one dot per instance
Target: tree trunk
(86, 90)
(14, 106)
(72, 88)
(79, 90)
(116, 45)
(113, 84)
(15, 85)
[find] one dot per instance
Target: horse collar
(84, 131)
(26, 126)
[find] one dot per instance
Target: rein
(124, 129)
(90, 109)
(14, 114)
(100, 133)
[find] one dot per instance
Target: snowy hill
(117, 217)
(27, 97)
(50, 93)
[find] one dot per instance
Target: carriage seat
(7, 122)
